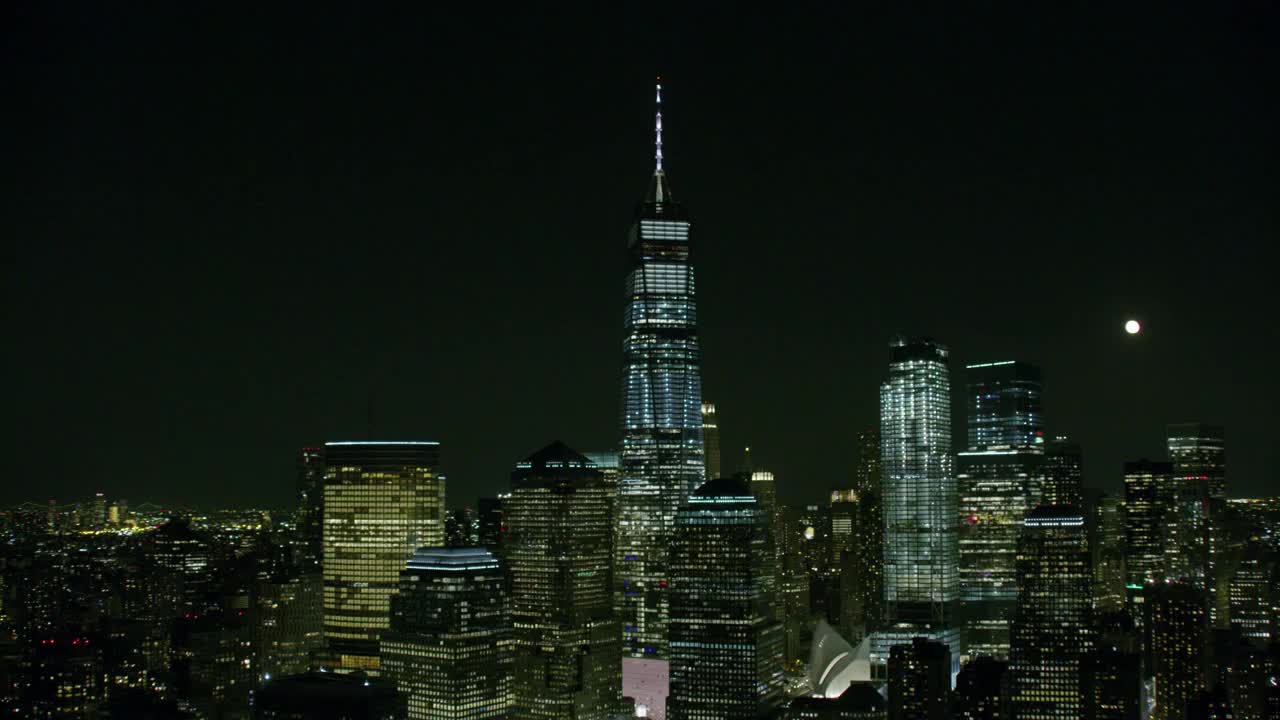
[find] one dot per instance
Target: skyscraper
(711, 440)
(662, 456)
(1062, 480)
(1194, 537)
(998, 479)
(310, 522)
(1199, 456)
(919, 680)
(1052, 630)
(921, 508)
(1179, 635)
(866, 470)
(382, 501)
(726, 644)
(449, 648)
(1144, 519)
(1003, 403)
(559, 531)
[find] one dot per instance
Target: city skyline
(249, 215)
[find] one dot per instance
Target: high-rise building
(382, 501)
(1062, 476)
(1144, 481)
(866, 470)
(921, 508)
(310, 523)
(998, 479)
(1254, 593)
(1199, 457)
(726, 644)
(1052, 630)
(1107, 549)
(559, 531)
(460, 528)
(489, 522)
(1194, 537)
(980, 689)
(662, 455)
(919, 675)
(450, 649)
(1179, 637)
(1003, 403)
(288, 621)
(711, 440)
(1114, 684)
(857, 534)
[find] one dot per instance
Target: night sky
(235, 231)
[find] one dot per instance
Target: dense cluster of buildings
(986, 581)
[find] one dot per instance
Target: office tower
(866, 471)
(1254, 593)
(1144, 481)
(661, 454)
(213, 662)
(460, 528)
(726, 644)
(979, 688)
(860, 702)
(1199, 457)
(1052, 629)
(1107, 550)
(998, 480)
(449, 649)
(310, 519)
(1003, 403)
(63, 678)
(1113, 684)
(711, 440)
(559, 532)
(857, 531)
(1179, 635)
(183, 555)
(288, 620)
(1193, 538)
(328, 696)
(921, 508)
(382, 501)
(919, 680)
(609, 464)
(1062, 477)
(489, 522)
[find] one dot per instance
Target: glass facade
(449, 648)
(310, 520)
(1003, 404)
(726, 644)
(997, 488)
(1053, 627)
(559, 535)
(662, 454)
(1063, 481)
(921, 505)
(382, 501)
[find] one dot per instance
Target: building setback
(450, 649)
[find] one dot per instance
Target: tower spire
(657, 130)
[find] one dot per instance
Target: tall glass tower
(662, 457)
(998, 479)
(921, 508)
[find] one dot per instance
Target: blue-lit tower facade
(921, 508)
(661, 453)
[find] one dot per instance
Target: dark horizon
(244, 232)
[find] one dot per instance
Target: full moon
(1132, 327)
